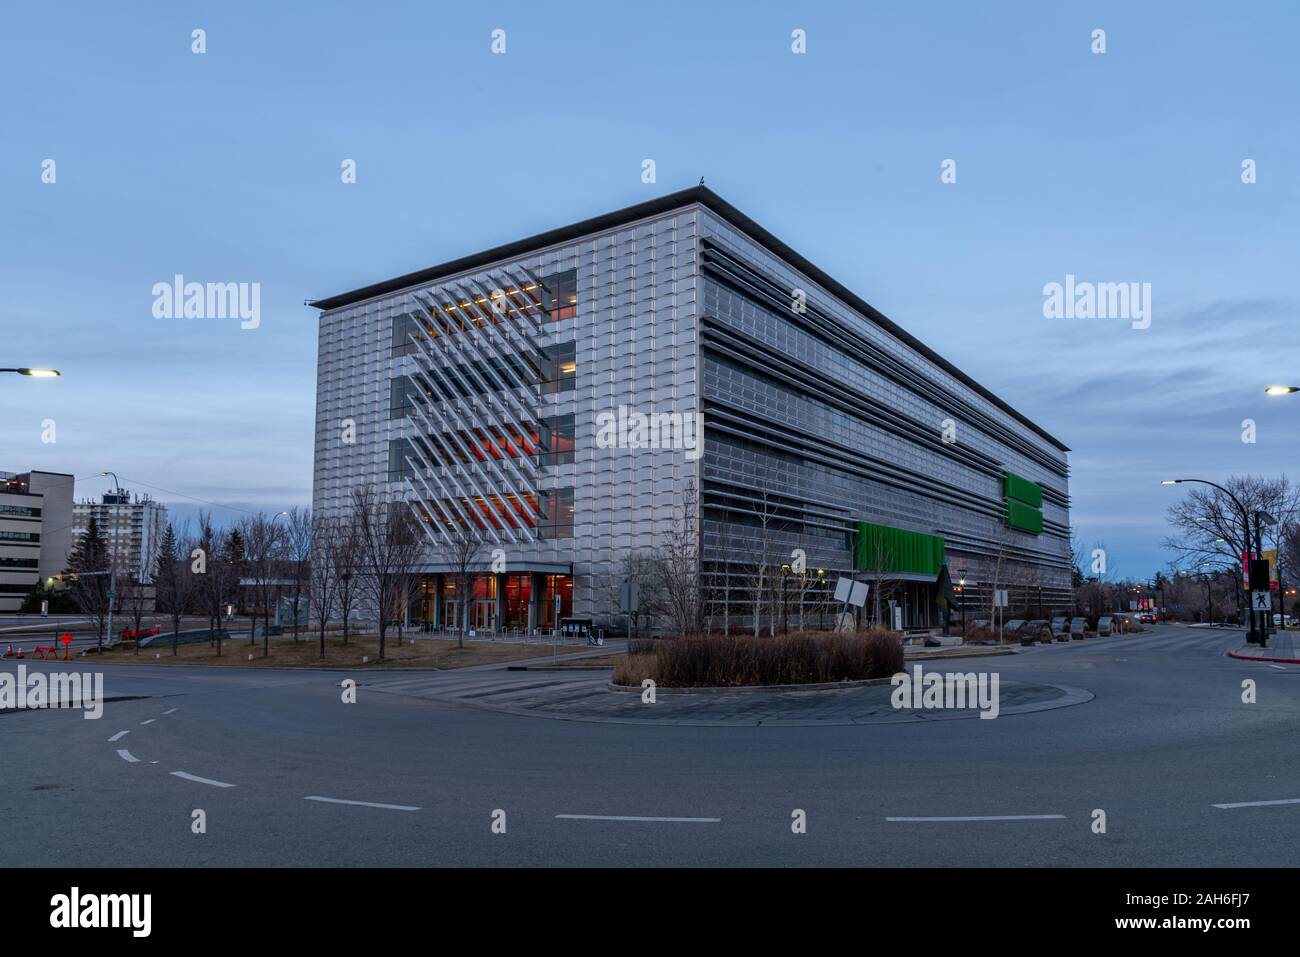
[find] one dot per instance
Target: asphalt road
(1165, 738)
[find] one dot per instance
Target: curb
(749, 689)
(1280, 661)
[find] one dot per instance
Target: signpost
(849, 592)
(1000, 602)
(629, 603)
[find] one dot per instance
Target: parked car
(1148, 618)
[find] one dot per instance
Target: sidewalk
(1283, 647)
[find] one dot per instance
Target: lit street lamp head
(34, 373)
(1281, 389)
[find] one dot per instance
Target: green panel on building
(1024, 518)
(1022, 490)
(881, 548)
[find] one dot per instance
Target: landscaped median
(803, 658)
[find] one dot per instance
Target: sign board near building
(629, 598)
(851, 592)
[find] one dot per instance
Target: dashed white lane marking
(171, 711)
(194, 777)
(628, 817)
(126, 755)
(390, 807)
(1259, 803)
(150, 721)
(984, 817)
(119, 736)
(1278, 667)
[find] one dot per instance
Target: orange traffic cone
(20, 651)
(9, 652)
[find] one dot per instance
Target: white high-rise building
(132, 529)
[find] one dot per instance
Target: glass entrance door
(484, 613)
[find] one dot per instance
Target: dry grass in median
(305, 653)
(715, 661)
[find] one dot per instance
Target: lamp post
(112, 558)
(821, 601)
(1245, 519)
(961, 590)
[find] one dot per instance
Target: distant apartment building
(132, 528)
(35, 531)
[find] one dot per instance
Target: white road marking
(119, 736)
(172, 711)
(390, 807)
(150, 721)
(194, 777)
(986, 817)
(126, 755)
(1278, 667)
(1260, 803)
(625, 817)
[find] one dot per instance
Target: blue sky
(225, 166)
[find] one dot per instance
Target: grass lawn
(305, 653)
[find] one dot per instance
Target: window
(20, 510)
(403, 396)
(398, 467)
(7, 562)
(559, 294)
(556, 520)
(559, 367)
(555, 441)
(20, 536)
(406, 329)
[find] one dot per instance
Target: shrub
(716, 661)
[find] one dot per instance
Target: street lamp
(35, 373)
(112, 558)
(1281, 389)
(961, 590)
(1245, 518)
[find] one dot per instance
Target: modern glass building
(546, 390)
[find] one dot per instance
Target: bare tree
(173, 581)
(680, 568)
(345, 553)
(135, 599)
(464, 543)
(756, 569)
(323, 582)
(263, 543)
(641, 569)
(89, 568)
(879, 566)
(391, 546)
(1209, 527)
(298, 554)
(216, 561)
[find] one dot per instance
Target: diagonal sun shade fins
(452, 360)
